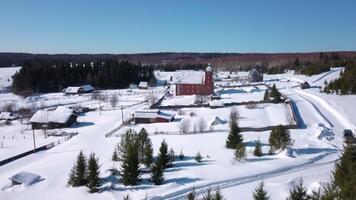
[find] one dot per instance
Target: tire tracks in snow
(199, 189)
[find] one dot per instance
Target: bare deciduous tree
(201, 125)
(234, 115)
(184, 126)
(151, 98)
(114, 100)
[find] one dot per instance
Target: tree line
(41, 75)
(346, 84)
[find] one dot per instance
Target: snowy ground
(316, 147)
(6, 74)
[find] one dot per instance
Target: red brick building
(205, 86)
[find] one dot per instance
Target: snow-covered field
(316, 146)
(6, 74)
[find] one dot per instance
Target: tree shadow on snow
(314, 150)
(259, 159)
(252, 143)
(82, 124)
(182, 180)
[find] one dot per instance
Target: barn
(52, 119)
(203, 85)
(152, 116)
(79, 89)
(255, 75)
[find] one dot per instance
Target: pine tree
(218, 195)
(130, 165)
(172, 157)
(93, 174)
(115, 156)
(127, 197)
(234, 136)
(181, 155)
(279, 139)
(260, 193)
(198, 157)
(163, 156)
(157, 173)
(148, 154)
(240, 152)
(192, 195)
(258, 150)
(208, 195)
(275, 94)
(298, 192)
(77, 176)
(344, 175)
(143, 139)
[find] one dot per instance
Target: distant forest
(43, 75)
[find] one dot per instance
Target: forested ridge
(41, 75)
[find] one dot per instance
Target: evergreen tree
(127, 197)
(344, 175)
(240, 152)
(218, 195)
(275, 94)
(115, 156)
(172, 157)
(78, 173)
(130, 165)
(198, 157)
(93, 174)
(163, 156)
(181, 155)
(148, 154)
(157, 173)
(260, 193)
(258, 150)
(208, 195)
(298, 192)
(234, 136)
(279, 138)
(143, 139)
(192, 195)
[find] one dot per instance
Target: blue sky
(132, 26)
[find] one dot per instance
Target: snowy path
(199, 189)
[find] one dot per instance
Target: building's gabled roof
(163, 115)
(7, 116)
(56, 116)
(143, 84)
(87, 88)
(25, 178)
(254, 71)
(146, 114)
(72, 90)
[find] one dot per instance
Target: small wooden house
(152, 116)
(305, 85)
(79, 89)
(255, 75)
(52, 119)
(143, 85)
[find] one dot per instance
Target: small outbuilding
(305, 85)
(25, 178)
(255, 75)
(8, 116)
(152, 116)
(79, 89)
(143, 85)
(60, 118)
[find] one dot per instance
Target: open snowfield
(316, 147)
(6, 74)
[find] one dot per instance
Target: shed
(143, 85)
(25, 178)
(216, 104)
(255, 75)
(52, 119)
(145, 116)
(164, 117)
(305, 85)
(133, 86)
(78, 89)
(7, 116)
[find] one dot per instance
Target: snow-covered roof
(218, 121)
(72, 90)
(216, 103)
(44, 116)
(25, 178)
(7, 116)
(146, 113)
(208, 68)
(87, 88)
(163, 115)
(192, 77)
(143, 84)
(63, 109)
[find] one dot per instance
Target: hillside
(223, 60)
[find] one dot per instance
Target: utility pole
(122, 114)
(34, 140)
